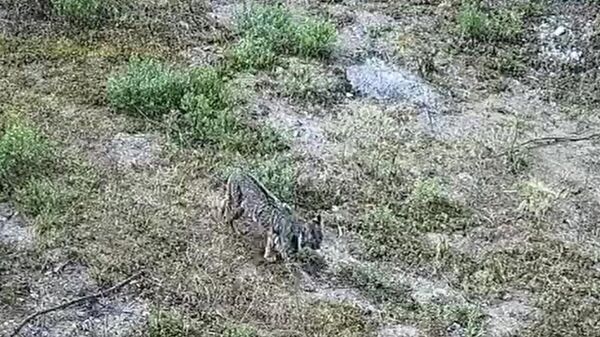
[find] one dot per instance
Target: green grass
(196, 107)
(268, 31)
(24, 153)
(308, 81)
(477, 23)
(148, 88)
(332, 319)
(168, 324)
(85, 12)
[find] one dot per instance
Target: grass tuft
(477, 23)
(268, 31)
(85, 12)
(148, 87)
(23, 154)
(308, 81)
(428, 210)
(166, 324)
(314, 38)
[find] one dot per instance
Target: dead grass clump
(309, 82)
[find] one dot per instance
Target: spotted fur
(246, 196)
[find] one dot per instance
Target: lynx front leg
(229, 214)
(268, 247)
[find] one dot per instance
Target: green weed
(24, 153)
(308, 81)
(428, 210)
(253, 54)
(240, 331)
(148, 88)
(314, 38)
(277, 173)
(472, 21)
(388, 236)
(88, 12)
(165, 324)
(476, 23)
(268, 31)
(329, 319)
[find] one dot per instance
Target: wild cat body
(246, 196)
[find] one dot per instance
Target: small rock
(559, 31)
(455, 330)
(184, 25)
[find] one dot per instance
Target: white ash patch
(130, 151)
(13, 229)
(378, 80)
(508, 318)
(354, 39)
(399, 331)
(564, 40)
(343, 295)
(117, 314)
(425, 291)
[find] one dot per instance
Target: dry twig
(101, 293)
(545, 141)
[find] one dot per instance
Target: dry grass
(390, 187)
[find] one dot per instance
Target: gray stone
(559, 31)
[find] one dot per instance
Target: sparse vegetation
(148, 88)
(199, 105)
(431, 228)
(309, 82)
(88, 12)
(23, 154)
(269, 30)
(168, 324)
(477, 23)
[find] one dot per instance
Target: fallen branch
(101, 293)
(545, 141)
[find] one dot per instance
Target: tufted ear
(318, 221)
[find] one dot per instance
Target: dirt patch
(306, 130)
(399, 331)
(115, 315)
(13, 229)
(507, 318)
(355, 40)
(378, 80)
(133, 151)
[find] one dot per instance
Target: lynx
(246, 196)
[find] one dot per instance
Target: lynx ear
(318, 221)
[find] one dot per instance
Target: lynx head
(313, 233)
